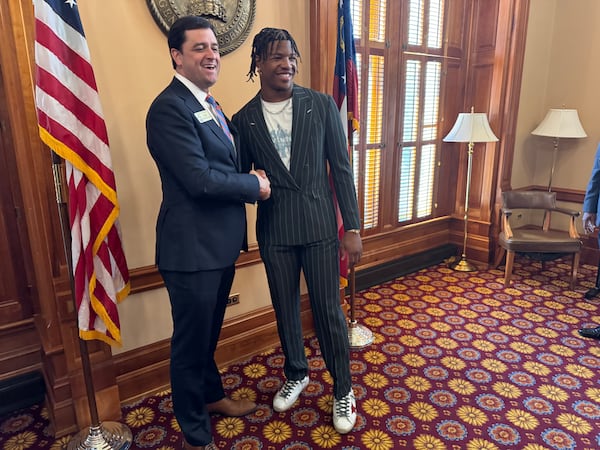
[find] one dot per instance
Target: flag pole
(347, 101)
(358, 335)
(98, 436)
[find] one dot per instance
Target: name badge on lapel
(203, 116)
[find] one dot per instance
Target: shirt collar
(195, 90)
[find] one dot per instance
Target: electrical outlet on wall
(233, 299)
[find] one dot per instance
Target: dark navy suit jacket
(591, 201)
(201, 224)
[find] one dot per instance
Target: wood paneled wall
(47, 299)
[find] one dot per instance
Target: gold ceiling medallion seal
(232, 19)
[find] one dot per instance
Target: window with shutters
(400, 62)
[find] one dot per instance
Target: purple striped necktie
(220, 116)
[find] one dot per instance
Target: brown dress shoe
(231, 408)
(210, 446)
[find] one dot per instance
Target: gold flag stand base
(106, 436)
(462, 265)
(359, 336)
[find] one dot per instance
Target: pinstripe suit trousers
(320, 264)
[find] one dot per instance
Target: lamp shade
(560, 123)
(471, 127)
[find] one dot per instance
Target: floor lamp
(559, 123)
(469, 127)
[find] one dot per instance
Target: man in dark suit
(591, 222)
(201, 224)
(295, 135)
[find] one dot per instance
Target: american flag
(345, 94)
(72, 125)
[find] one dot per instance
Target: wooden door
(19, 341)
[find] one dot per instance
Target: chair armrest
(569, 212)
(508, 232)
(572, 227)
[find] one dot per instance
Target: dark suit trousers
(198, 301)
(320, 264)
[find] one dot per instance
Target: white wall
(561, 69)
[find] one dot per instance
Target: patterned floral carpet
(458, 363)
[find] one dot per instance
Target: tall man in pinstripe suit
(295, 134)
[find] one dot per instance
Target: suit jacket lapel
(301, 125)
(194, 105)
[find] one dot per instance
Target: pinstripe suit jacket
(301, 208)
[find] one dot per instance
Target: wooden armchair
(535, 241)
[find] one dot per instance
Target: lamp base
(359, 336)
(463, 265)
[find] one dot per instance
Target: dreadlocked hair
(262, 44)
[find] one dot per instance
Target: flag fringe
(343, 282)
(90, 335)
(100, 310)
(75, 159)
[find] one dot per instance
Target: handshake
(263, 182)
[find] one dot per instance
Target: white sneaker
(288, 394)
(344, 413)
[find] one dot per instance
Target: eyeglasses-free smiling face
(199, 59)
(277, 71)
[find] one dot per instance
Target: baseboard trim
(21, 391)
(402, 266)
